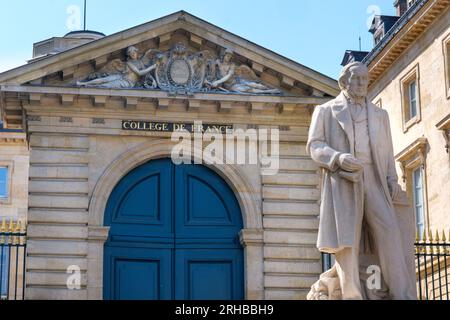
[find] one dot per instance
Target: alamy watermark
(73, 21)
(74, 279)
(374, 281)
(233, 147)
(373, 10)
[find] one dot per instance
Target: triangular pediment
(202, 61)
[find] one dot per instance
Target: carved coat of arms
(178, 71)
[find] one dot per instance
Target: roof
(353, 55)
(388, 22)
(395, 28)
(261, 55)
(404, 33)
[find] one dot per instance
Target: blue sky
(311, 32)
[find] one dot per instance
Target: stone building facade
(14, 162)
(81, 150)
(410, 73)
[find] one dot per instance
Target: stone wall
(71, 151)
(428, 54)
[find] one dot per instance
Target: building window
(4, 183)
(410, 94)
(446, 47)
(412, 99)
(417, 186)
(413, 164)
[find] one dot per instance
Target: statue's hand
(348, 162)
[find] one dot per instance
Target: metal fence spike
(431, 241)
(11, 225)
(23, 227)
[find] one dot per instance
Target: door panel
(206, 208)
(209, 274)
(141, 204)
(174, 234)
(139, 273)
(132, 206)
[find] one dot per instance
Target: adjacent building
(409, 77)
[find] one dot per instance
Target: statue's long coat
(331, 134)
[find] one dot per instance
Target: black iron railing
(433, 267)
(12, 260)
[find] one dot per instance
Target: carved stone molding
(412, 156)
(444, 126)
(98, 233)
(251, 237)
(180, 71)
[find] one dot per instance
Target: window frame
(412, 100)
(412, 76)
(446, 53)
(10, 168)
(413, 158)
(414, 189)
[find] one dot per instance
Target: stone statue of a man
(351, 139)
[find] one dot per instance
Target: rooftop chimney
(401, 6)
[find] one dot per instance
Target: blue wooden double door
(174, 235)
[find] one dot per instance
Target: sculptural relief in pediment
(179, 70)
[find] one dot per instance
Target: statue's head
(132, 52)
(354, 79)
(228, 55)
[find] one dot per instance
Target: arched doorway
(173, 235)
